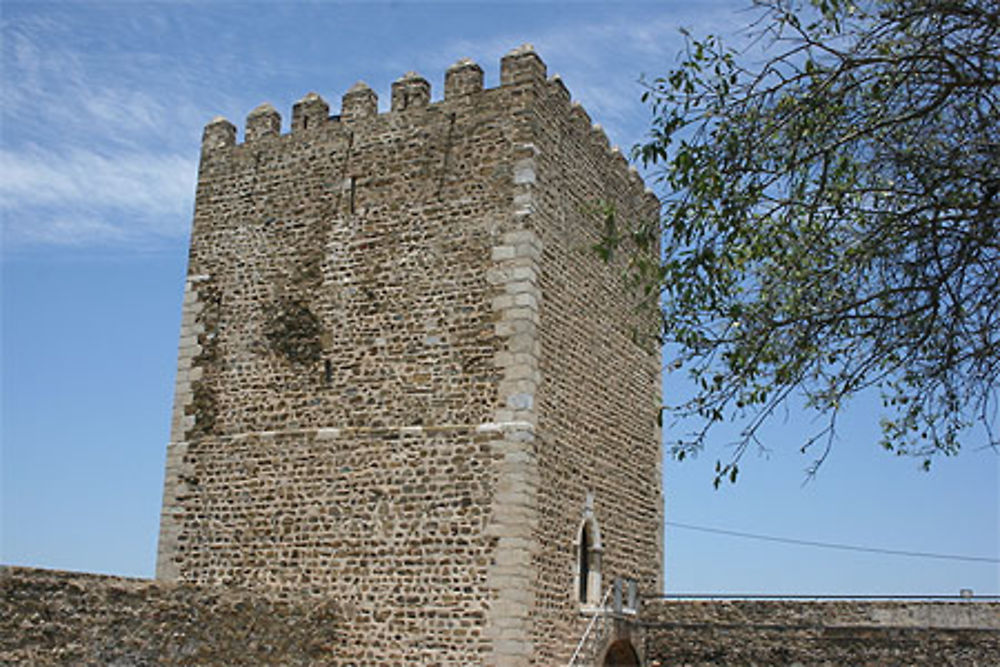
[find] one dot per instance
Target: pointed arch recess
(588, 549)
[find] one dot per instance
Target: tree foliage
(830, 223)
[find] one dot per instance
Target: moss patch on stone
(294, 332)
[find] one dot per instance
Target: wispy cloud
(96, 190)
(97, 148)
(155, 183)
(102, 107)
(82, 229)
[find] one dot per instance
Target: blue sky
(102, 110)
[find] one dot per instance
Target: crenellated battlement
(463, 82)
(521, 66)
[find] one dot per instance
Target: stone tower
(406, 381)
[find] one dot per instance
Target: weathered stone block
(410, 91)
(264, 121)
(463, 78)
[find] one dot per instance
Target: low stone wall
(49, 617)
(821, 632)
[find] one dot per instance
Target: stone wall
(600, 374)
(63, 618)
(821, 632)
(49, 618)
(403, 370)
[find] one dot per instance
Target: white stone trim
(188, 350)
(512, 576)
(180, 423)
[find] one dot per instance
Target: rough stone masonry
(406, 381)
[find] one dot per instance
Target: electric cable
(832, 545)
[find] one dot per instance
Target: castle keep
(406, 381)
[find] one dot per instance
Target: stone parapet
(820, 632)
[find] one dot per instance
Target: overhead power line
(832, 545)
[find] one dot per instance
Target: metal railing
(602, 612)
(800, 596)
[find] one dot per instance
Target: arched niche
(621, 654)
(587, 548)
